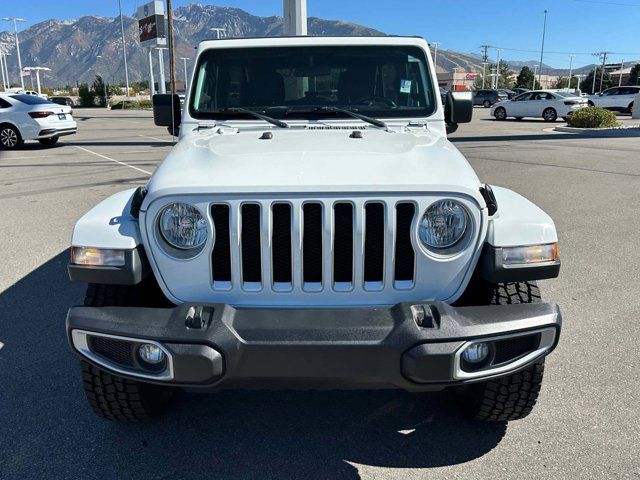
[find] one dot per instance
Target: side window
(611, 91)
(4, 104)
(550, 96)
(524, 97)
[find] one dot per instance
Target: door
(519, 105)
(609, 98)
(537, 104)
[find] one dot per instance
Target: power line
(602, 2)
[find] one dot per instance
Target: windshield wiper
(266, 118)
(364, 118)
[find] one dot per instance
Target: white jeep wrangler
(314, 228)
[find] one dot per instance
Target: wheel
(10, 137)
(486, 104)
(500, 113)
(630, 108)
(48, 142)
(113, 397)
(591, 104)
(511, 397)
(519, 118)
(549, 115)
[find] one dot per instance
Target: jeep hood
(313, 161)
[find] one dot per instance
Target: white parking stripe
(155, 138)
(111, 159)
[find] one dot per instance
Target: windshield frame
(310, 112)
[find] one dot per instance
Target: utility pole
(124, 48)
(15, 32)
(485, 57)
(604, 60)
(499, 50)
(186, 74)
(595, 71)
(533, 83)
(435, 54)
(620, 76)
(570, 70)
(544, 31)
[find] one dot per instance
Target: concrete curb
(626, 131)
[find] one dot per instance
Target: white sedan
(539, 103)
(28, 117)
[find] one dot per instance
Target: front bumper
(416, 347)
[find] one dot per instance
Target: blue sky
(573, 26)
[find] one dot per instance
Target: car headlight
(183, 226)
(443, 224)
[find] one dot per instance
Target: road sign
(151, 24)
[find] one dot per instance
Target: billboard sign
(151, 27)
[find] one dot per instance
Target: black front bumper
(410, 346)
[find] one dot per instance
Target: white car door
(518, 106)
(537, 104)
(609, 97)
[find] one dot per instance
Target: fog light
(151, 353)
(476, 353)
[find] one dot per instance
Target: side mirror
(166, 111)
(458, 108)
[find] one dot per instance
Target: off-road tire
(511, 397)
(49, 142)
(113, 397)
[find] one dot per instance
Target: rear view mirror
(458, 108)
(166, 111)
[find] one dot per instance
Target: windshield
(30, 99)
(291, 82)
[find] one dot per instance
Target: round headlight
(183, 226)
(443, 224)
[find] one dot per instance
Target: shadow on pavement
(240, 434)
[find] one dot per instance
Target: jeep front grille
(316, 245)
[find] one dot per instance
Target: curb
(627, 131)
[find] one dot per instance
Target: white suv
(314, 228)
(617, 98)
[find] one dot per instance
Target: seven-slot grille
(313, 245)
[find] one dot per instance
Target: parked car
(27, 117)
(508, 92)
(487, 97)
(352, 250)
(539, 103)
(62, 101)
(619, 99)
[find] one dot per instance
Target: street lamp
(124, 48)
(533, 83)
(570, 70)
(499, 50)
(544, 31)
(186, 75)
(435, 54)
(37, 70)
(219, 31)
(15, 30)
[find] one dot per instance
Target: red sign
(470, 76)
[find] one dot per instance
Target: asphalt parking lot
(585, 425)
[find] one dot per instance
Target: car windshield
(292, 82)
(30, 99)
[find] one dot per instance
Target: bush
(592, 117)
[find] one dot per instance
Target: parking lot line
(156, 138)
(111, 159)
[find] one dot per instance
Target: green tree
(98, 88)
(563, 82)
(526, 79)
(634, 76)
(587, 83)
(87, 96)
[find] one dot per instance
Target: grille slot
(343, 245)
(374, 243)
(281, 245)
(404, 254)
(312, 243)
(251, 246)
(221, 256)
(509, 349)
(118, 351)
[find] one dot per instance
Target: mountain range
(77, 50)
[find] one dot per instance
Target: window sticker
(405, 86)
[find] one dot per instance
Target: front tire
(510, 397)
(550, 115)
(49, 142)
(10, 137)
(113, 397)
(500, 113)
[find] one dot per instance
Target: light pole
(570, 70)
(6, 69)
(533, 83)
(37, 70)
(162, 85)
(219, 31)
(124, 48)
(186, 75)
(2, 62)
(435, 54)
(499, 50)
(152, 81)
(484, 69)
(15, 30)
(620, 76)
(544, 31)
